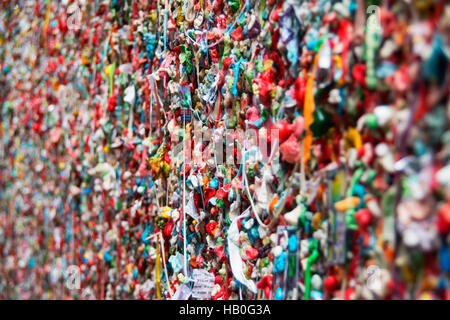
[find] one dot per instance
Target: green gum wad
(186, 58)
(259, 66)
(350, 220)
(234, 5)
(249, 75)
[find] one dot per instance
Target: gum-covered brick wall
(224, 149)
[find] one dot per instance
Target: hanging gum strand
(308, 112)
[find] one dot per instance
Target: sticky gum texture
(94, 102)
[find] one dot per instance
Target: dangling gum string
(154, 90)
(102, 263)
(184, 197)
(308, 112)
(151, 109)
(130, 121)
(283, 203)
(215, 158)
(312, 258)
(158, 272)
(245, 182)
(166, 6)
(119, 226)
(302, 169)
(372, 41)
(164, 261)
(181, 218)
(160, 243)
(217, 108)
(236, 76)
(112, 67)
(47, 17)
